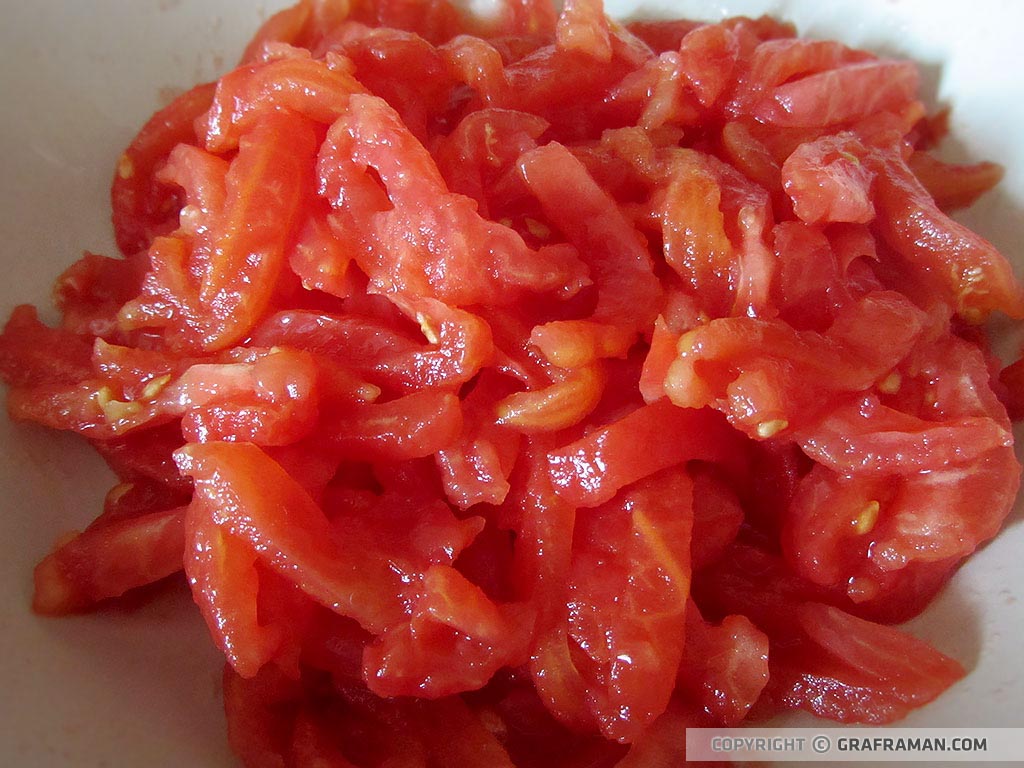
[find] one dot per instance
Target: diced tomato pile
(522, 390)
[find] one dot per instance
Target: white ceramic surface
(77, 79)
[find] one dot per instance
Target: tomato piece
(528, 17)
(663, 744)
(146, 454)
(659, 358)
(202, 178)
(209, 294)
(404, 734)
(263, 194)
(257, 732)
(448, 251)
(566, 401)
(628, 292)
(302, 25)
(757, 371)
(826, 546)
(285, 26)
(456, 735)
(479, 65)
(583, 27)
(433, 20)
(126, 501)
(316, 89)
(775, 62)
(858, 671)
(91, 291)
(313, 747)
(32, 353)
(567, 90)
(749, 581)
(951, 185)
(455, 640)
(477, 469)
(696, 244)
(828, 182)
(725, 667)
(107, 561)
(947, 379)
(717, 517)
(862, 531)
(375, 348)
(627, 600)
(269, 398)
(708, 57)
(974, 277)
(656, 91)
(483, 147)
(270, 401)
(221, 570)
(592, 470)
(544, 525)
(142, 206)
(1012, 378)
(425, 654)
(381, 56)
(749, 155)
(662, 34)
(866, 88)
(809, 285)
(627, 164)
(579, 343)
(713, 228)
(241, 489)
(865, 437)
(455, 637)
(757, 31)
(460, 344)
(410, 427)
(420, 528)
(822, 658)
(372, 731)
(321, 260)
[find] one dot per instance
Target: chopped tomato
(107, 561)
(443, 245)
(725, 667)
(592, 470)
(858, 671)
(974, 277)
(522, 390)
(240, 489)
(627, 600)
(143, 207)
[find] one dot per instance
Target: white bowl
(77, 79)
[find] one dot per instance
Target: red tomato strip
(142, 206)
(222, 572)
(976, 277)
(848, 669)
(107, 561)
(241, 489)
(627, 601)
(592, 470)
(628, 292)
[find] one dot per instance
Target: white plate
(76, 81)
